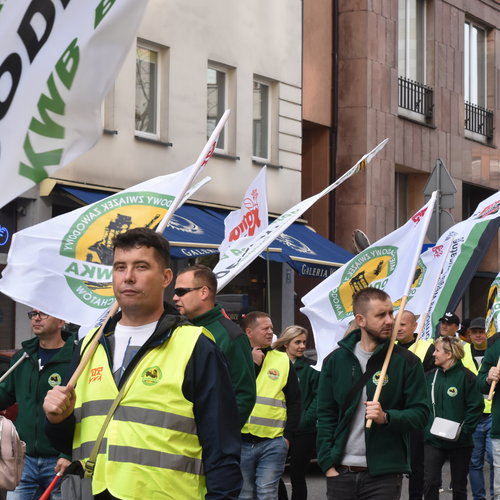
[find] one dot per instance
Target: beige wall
(254, 38)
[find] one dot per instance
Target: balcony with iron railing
(479, 120)
(416, 98)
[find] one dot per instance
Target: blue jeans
(37, 474)
(262, 465)
(482, 445)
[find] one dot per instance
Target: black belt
(351, 468)
(250, 438)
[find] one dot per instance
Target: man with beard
(362, 463)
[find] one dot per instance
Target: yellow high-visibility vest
(151, 447)
(468, 362)
(268, 417)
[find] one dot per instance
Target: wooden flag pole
(493, 385)
(388, 355)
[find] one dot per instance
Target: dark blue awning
(195, 231)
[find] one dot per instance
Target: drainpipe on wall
(334, 119)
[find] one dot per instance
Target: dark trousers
(459, 468)
(363, 486)
(301, 452)
(416, 479)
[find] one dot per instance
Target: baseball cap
(478, 323)
(450, 317)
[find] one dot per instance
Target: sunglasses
(41, 315)
(182, 291)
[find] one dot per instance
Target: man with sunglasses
(175, 431)
(47, 357)
(194, 297)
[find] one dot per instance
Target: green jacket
(27, 386)
(235, 345)
(308, 382)
(456, 398)
(491, 359)
(403, 398)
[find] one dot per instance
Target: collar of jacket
(352, 338)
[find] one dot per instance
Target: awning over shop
(196, 231)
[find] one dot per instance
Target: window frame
(420, 73)
(468, 73)
(156, 135)
(269, 85)
(222, 146)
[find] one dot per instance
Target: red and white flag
(251, 219)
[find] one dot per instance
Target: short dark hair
(144, 237)
(361, 299)
(251, 318)
(203, 274)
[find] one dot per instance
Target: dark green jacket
(308, 382)
(235, 345)
(456, 398)
(491, 359)
(27, 386)
(403, 398)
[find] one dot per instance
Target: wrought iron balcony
(416, 97)
(478, 120)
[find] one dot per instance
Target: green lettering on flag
(101, 10)
(36, 171)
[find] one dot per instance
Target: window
(146, 91)
(216, 101)
(475, 65)
(478, 119)
(261, 128)
(411, 40)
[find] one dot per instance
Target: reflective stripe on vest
(142, 439)
(468, 362)
(268, 417)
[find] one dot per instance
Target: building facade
(188, 65)
(425, 74)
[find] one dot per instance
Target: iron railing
(478, 120)
(416, 97)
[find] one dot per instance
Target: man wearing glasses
(194, 297)
(47, 357)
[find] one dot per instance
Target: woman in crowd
(454, 396)
(293, 342)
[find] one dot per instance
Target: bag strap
(90, 463)
(359, 384)
(432, 393)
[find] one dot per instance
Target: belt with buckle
(351, 468)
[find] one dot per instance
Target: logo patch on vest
(55, 379)
(95, 374)
(376, 378)
(151, 376)
(452, 392)
(273, 373)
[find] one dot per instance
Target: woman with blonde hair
(293, 342)
(454, 396)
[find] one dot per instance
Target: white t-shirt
(126, 342)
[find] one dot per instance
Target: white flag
(387, 264)
(251, 219)
(57, 62)
(245, 250)
(470, 240)
(63, 266)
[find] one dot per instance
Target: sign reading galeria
(58, 59)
